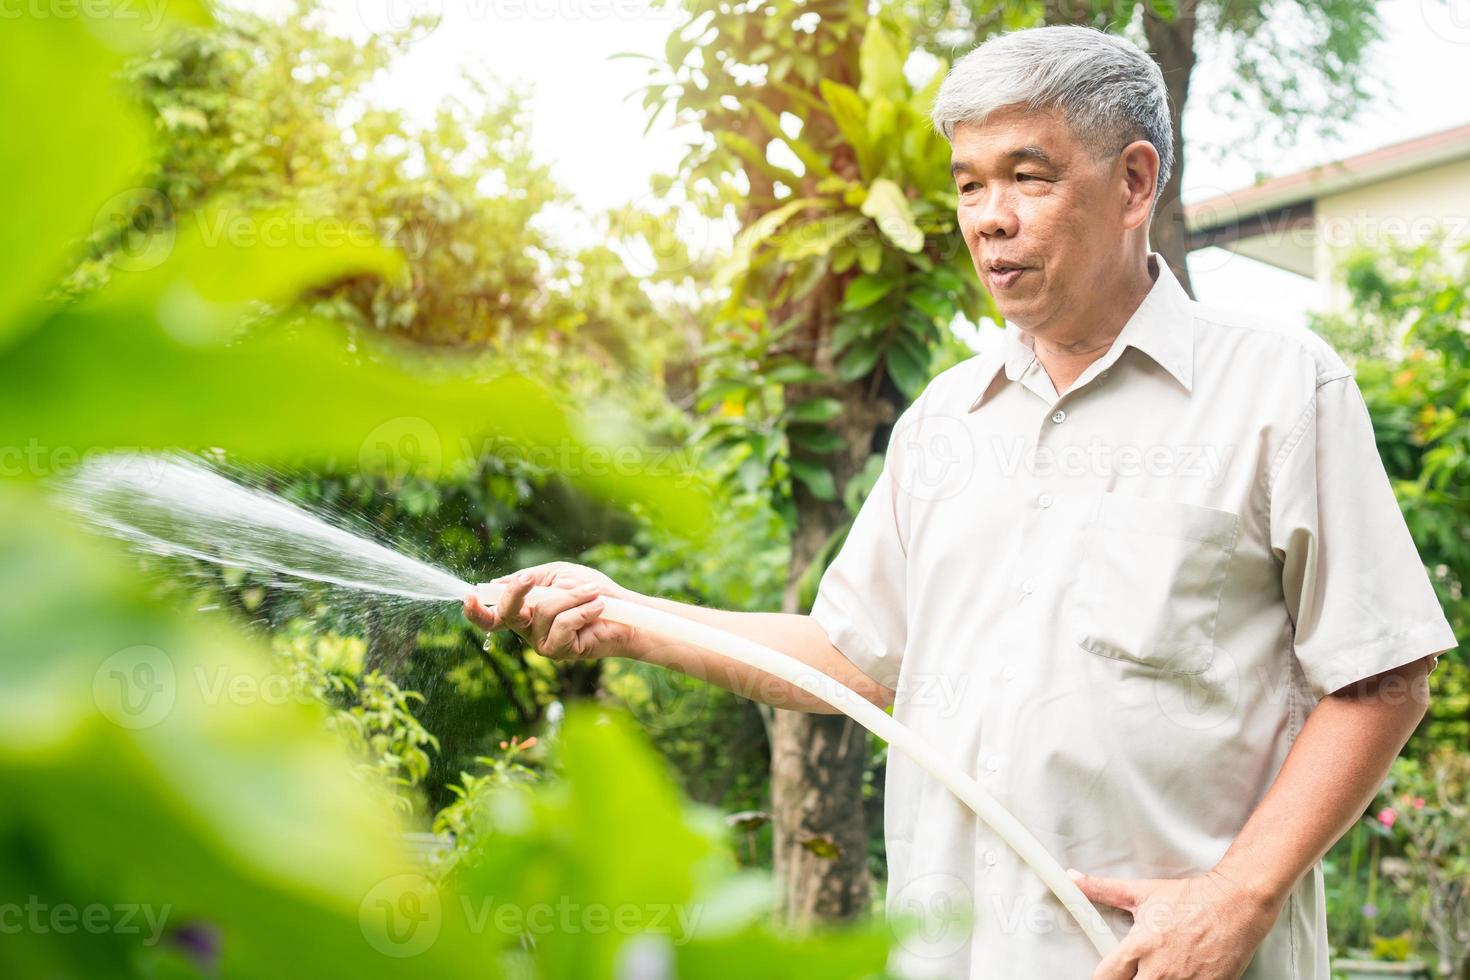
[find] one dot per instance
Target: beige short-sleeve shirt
(1115, 608)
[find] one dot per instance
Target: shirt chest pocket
(1149, 581)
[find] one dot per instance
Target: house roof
(1290, 191)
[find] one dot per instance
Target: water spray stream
(174, 506)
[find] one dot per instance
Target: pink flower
(1418, 802)
(1387, 816)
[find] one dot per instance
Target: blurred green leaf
(54, 178)
(888, 207)
(818, 478)
(865, 290)
(815, 410)
(882, 66)
(145, 766)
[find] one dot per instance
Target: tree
(838, 297)
(255, 114)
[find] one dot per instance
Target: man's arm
(568, 627)
(800, 637)
(1329, 778)
(1211, 925)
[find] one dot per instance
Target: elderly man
(1139, 568)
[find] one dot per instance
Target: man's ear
(1140, 170)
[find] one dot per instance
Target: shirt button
(992, 763)
(1028, 586)
(1044, 500)
(991, 857)
(1008, 672)
(1103, 374)
(1059, 416)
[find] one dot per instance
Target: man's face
(1032, 197)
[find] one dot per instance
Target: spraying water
(171, 505)
(176, 506)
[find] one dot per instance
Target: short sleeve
(1355, 587)
(861, 599)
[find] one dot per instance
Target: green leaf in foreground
(54, 176)
(156, 361)
(144, 766)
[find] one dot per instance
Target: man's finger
(567, 626)
(512, 605)
(476, 612)
(1120, 893)
(1120, 964)
(541, 574)
(547, 610)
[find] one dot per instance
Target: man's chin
(1022, 314)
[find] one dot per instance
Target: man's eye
(1027, 177)
(966, 188)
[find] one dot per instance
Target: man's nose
(994, 217)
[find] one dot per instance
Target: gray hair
(1110, 92)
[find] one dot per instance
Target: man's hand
(1204, 928)
(565, 628)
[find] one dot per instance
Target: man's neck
(1065, 357)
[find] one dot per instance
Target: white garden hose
(875, 720)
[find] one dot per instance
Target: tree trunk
(1172, 44)
(820, 842)
(820, 829)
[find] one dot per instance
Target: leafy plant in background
(241, 819)
(272, 112)
(1364, 909)
(1427, 804)
(462, 821)
(370, 711)
(833, 312)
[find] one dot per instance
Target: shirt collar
(1161, 327)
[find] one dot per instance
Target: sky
(590, 132)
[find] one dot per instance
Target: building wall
(1404, 208)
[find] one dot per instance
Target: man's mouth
(1003, 275)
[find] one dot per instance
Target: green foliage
(1426, 802)
(465, 820)
(825, 150)
(1363, 905)
(672, 883)
(146, 767)
(370, 711)
(715, 739)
